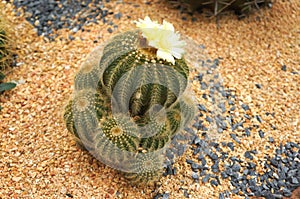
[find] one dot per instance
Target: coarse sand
(39, 159)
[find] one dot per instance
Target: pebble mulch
(49, 16)
(272, 176)
(245, 139)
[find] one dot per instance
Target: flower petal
(165, 56)
(167, 26)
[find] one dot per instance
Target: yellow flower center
(116, 131)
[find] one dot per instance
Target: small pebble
(109, 30)
(232, 108)
(245, 107)
(195, 166)
(283, 67)
(206, 178)
(221, 196)
(213, 156)
(208, 119)
(236, 167)
(214, 183)
(258, 118)
(261, 134)
(166, 196)
(247, 132)
(201, 107)
(248, 155)
(258, 86)
(287, 192)
(224, 175)
(247, 116)
(231, 146)
(295, 181)
(234, 137)
(118, 15)
(215, 167)
(203, 86)
(195, 176)
(186, 194)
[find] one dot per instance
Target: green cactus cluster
(241, 7)
(128, 105)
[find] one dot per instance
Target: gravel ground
(253, 152)
(49, 16)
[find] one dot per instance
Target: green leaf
(2, 76)
(7, 86)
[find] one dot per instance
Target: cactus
(7, 46)
(160, 136)
(82, 114)
(3, 49)
(128, 105)
(146, 169)
(116, 135)
(130, 72)
(121, 130)
(88, 74)
(241, 7)
(184, 109)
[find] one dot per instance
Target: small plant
(5, 86)
(240, 7)
(6, 44)
(130, 100)
(6, 52)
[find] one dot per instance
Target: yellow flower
(163, 38)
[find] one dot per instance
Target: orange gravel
(38, 157)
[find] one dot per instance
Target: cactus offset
(116, 136)
(88, 75)
(146, 169)
(83, 112)
(121, 131)
(140, 71)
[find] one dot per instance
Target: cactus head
(116, 139)
(122, 131)
(137, 84)
(146, 169)
(88, 75)
(82, 114)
